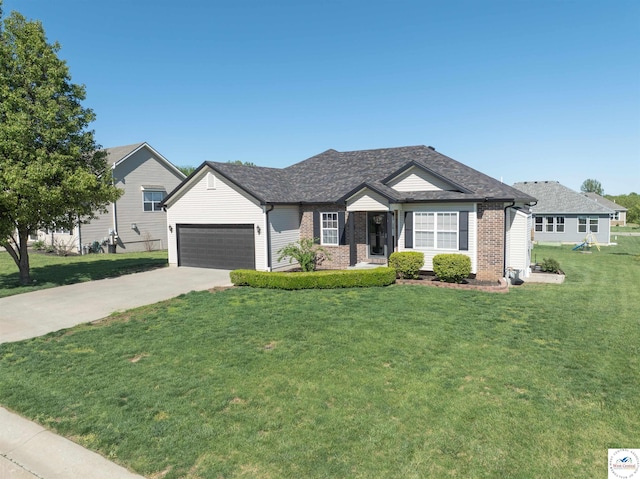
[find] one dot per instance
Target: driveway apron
(33, 314)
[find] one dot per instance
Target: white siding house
(361, 206)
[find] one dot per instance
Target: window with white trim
(436, 230)
(329, 229)
(151, 200)
(549, 224)
(539, 223)
(587, 222)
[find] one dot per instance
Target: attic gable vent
(211, 181)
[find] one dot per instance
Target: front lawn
(48, 271)
(395, 382)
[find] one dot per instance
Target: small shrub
(451, 268)
(328, 279)
(38, 245)
(62, 247)
(407, 263)
(148, 242)
(550, 265)
(306, 252)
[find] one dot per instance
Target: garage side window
(151, 200)
(329, 229)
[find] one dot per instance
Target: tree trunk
(23, 258)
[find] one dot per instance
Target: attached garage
(216, 246)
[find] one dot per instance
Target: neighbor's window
(590, 223)
(552, 224)
(329, 229)
(549, 224)
(435, 230)
(151, 200)
(539, 222)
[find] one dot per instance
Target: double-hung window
(329, 231)
(587, 225)
(436, 230)
(549, 224)
(151, 200)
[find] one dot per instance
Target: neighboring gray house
(619, 217)
(565, 216)
(135, 222)
(361, 205)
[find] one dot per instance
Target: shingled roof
(605, 202)
(332, 176)
(117, 153)
(554, 198)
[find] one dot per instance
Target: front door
(377, 222)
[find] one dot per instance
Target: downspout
(504, 241)
(268, 232)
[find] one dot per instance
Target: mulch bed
(427, 279)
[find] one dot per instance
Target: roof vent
(431, 148)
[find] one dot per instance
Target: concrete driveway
(33, 314)
(27, 450)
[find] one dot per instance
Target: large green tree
(592, 186)
(52, 172)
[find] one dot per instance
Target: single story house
(619, 217)
(136, 221)
(361, 206)
(562, 215)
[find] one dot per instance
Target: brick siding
(490, 241)
(340, 255)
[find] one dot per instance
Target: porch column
(389, 239)
(353, 248)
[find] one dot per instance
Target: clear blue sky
(520, 90)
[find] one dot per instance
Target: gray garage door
(216, 246)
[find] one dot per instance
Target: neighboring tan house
(360, 205)
(619, 217)
(566, 216)
(136, 221)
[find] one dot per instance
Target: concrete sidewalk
(33, 314)
(29, 451)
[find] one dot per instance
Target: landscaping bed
(429, 279)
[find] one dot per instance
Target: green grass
(630, 228)
(396, 382)
(50, 271)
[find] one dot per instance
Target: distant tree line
(631, 202)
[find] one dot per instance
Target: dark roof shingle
(329, 176)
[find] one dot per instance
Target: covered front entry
(377, 234)
(216, 246)
(371, 236)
